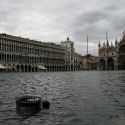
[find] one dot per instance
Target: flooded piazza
(76, 98)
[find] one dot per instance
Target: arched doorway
(121, 58)
(29, 68)
(26, 68)
(121, 62)
(22, 68)
(122, 49)
(110, 64)
(32, 69)
(18, 68)
(0, 57)
(36, 69)
(72, 67)
(102, 64)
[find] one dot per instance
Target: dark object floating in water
(45, 104)
(29, 105)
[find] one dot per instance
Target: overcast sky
(54, 20)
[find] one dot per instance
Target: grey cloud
(92, 17)
(55, 20)
(96, 23)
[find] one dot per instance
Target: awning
(2, 66)
(41, 67)
(11, 67)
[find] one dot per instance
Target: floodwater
(77, 98)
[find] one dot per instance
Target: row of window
(106, 54)
(27, 59)
(28, 50)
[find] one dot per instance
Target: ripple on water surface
(77, 98)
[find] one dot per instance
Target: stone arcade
(25, 55)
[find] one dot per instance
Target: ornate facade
(22, 54)
(112, 57)
(72, 59)
(121, 53)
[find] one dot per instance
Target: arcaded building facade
(112, 57)
(25, 55)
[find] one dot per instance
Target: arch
(18, 67)
(57, 68)
(102, 64)
(33, 69)
(110, 64)
(22, 68)
(26, 68)
(53, 68)
(71, 67)
(121, 61)
(47, 67)
(12, 68)
(0, 57)
(29, 68)
(36, 69)
(122, 48)
(50, 68)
